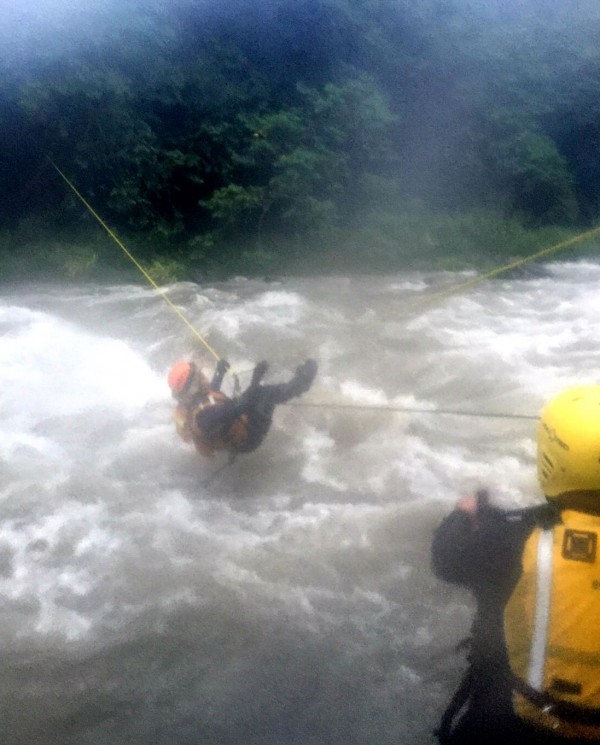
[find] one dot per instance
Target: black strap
(562, 709)
(457, 702)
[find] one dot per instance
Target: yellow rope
(423, 301)
(408, 410)
(135, 261)
(504, 268)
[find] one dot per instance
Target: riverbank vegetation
(296, 136)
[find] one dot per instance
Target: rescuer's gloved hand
(223, 366)
(259, 373)
(472, 504)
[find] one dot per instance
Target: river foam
(288, 599)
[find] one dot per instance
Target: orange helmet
(180, 376)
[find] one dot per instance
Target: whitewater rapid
(289, 601)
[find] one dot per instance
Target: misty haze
(339, 179)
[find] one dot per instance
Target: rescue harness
(231, 438)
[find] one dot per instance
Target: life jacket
(182, 422)
(230, 440)
(552, 628)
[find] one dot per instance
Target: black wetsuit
(486, 558)
(257, 402)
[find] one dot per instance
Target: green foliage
(311, 162)
(165, 270)
(421, 240)
(534, 177)
(230, 137)
(256, 262)
(47, 260)
(236, 206)
(543, 186)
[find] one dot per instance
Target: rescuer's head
(568, 454)
(185, 378)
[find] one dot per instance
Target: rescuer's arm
(222, 367)
(459, 552)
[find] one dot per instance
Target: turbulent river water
(290, 600)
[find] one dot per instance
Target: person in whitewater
(534, 651)
(213, 421)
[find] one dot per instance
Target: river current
(287, 599)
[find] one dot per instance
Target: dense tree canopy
(225, 127)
